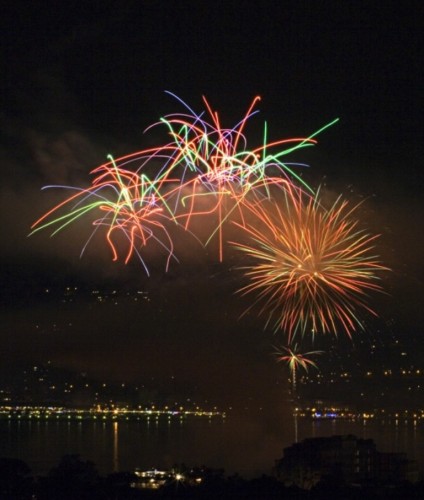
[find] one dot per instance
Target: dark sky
(81, 81)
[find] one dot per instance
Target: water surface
(247, 444)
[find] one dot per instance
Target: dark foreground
(76, 479)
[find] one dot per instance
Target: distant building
(155, 479)
(152, 479)
(345, 459)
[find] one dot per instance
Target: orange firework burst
(312, 268)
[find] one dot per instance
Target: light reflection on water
(247, 444)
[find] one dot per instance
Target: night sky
(82, 81)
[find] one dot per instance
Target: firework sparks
(204, 170)
(295, 360)
(126, 203)
(221, 171)
(312, 268)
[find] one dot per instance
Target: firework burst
(296, 360)
(123, 202)
(311, 268)
(204, 170)
(219, 171)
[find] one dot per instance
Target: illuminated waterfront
(102, 413)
